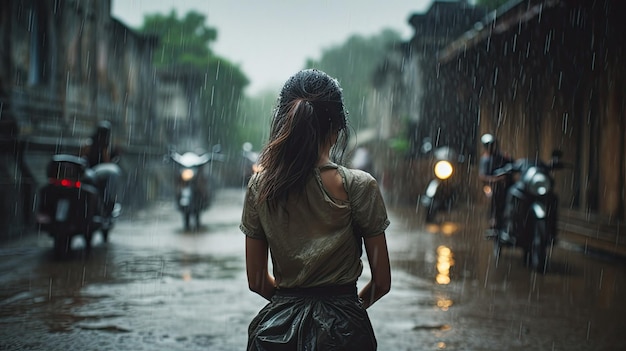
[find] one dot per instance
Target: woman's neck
(324, 157)
(324, 153)
(322, 161)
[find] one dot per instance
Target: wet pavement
(157, 287)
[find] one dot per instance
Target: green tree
(353, 63)
(213, 83)
(181, 41)
(256, 116)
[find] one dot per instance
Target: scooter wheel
(197, 220)
(88, 239)
(187, 220)
(497, 251)
(430, 214)
(62, 245)
(538, 257)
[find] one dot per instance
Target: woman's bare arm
(259, 279)
(378, 257)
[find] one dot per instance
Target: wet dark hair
(309, 111)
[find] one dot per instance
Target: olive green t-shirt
(314, 239)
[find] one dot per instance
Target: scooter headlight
(443, 170)
(539, 183)
(186, 174)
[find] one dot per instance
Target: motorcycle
(531, 210)
(75, 201)
(443, 189)
(194, 189)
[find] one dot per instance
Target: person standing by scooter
(491, 159)
(97, 149)
(97, 152)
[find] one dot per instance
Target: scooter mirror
(247, 146)
(556, 159)
(427, 146)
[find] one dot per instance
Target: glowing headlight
(488, 191)
(186, 174)
(443, 170)
(539, 184)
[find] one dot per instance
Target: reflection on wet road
(577, 305)
(153, 286)
(156, 287)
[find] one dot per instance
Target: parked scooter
(443, 190)
(194, 188)
(531, 211)
(74, 201)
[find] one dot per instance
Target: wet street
(157, 287)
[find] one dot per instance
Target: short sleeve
(368, 207)
(250, 222)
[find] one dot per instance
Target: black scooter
(443, 189)
(531, 211)
(75, 201)
(194, 188)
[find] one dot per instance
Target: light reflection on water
(445, 228)
(445, 260)
(446, 294)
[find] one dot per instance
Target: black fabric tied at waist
(328, 290)
(316, 318)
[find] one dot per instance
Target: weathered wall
(543, 75)
(64, 66)
(558, 86)
(550, 75)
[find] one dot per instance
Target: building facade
(415, 104)
(540, 75)
(545, 75)
(65, 65)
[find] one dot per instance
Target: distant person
(97, 152)
(97, 149)
(313, 216)
(491, 159)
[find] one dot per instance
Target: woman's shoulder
(253, 182)
(355, 177)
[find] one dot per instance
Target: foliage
(181, 41)
(353, 63)
(212, 83)
(221, 96)
(400, 145)
(255, 118)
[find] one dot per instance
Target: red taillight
(67, 183)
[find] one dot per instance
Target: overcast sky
(271, 39)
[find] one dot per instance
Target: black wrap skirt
(314, 319)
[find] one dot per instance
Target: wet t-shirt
(314, 239)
